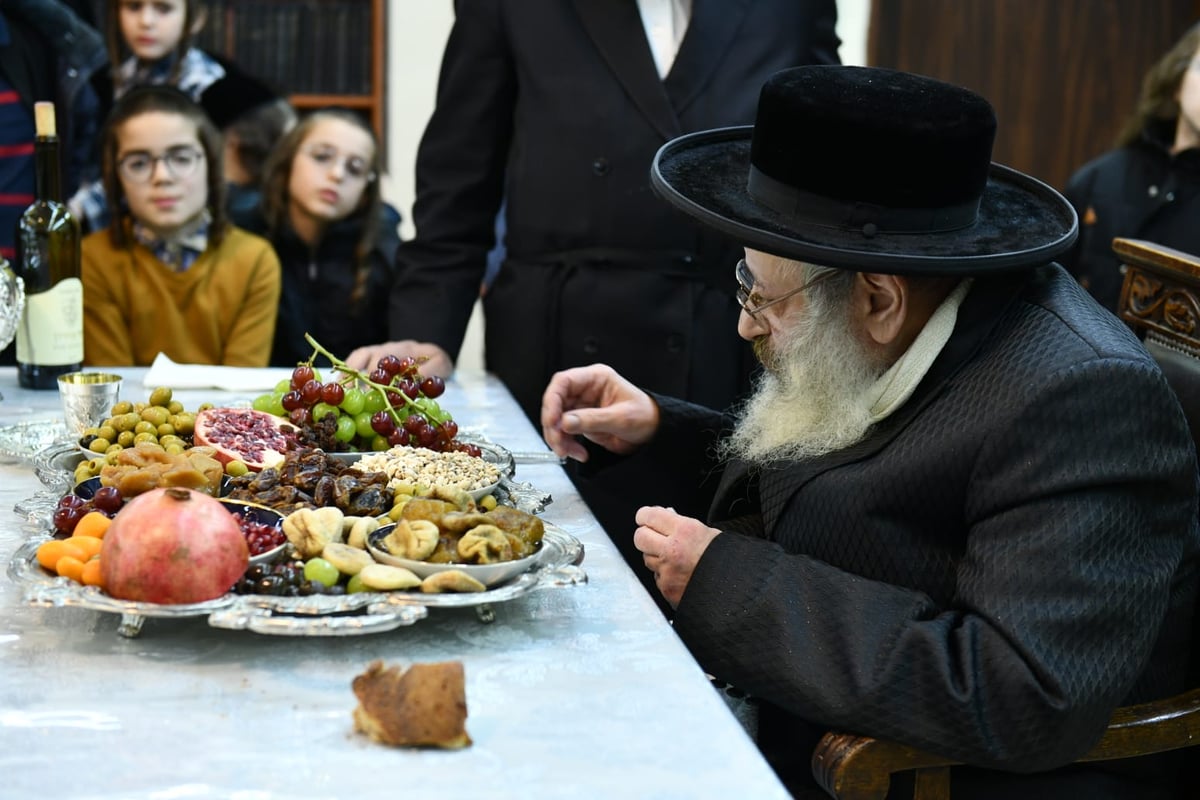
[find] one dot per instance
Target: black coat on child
(318, 293)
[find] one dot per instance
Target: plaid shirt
(197, 72)
(180, 251)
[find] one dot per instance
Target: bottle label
(51, 332)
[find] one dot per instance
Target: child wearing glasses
(170, 273)
(336, 239)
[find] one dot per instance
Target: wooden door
(1063, 75)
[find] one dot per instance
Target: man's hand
(671, 546)
(597, 403)
(437, 361)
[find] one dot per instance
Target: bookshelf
(320, 52)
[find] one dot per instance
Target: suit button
(591, 345)
(600, 166)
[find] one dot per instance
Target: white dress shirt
(666, 22)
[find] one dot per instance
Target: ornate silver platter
(557, 566)
(25, 440)
(316, 615)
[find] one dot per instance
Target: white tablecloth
(574, 692)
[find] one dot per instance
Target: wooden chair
(1160, 301)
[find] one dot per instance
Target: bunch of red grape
(72, 507)
(391, 406)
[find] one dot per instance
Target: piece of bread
(423, 706)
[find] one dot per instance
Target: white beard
(812, 397)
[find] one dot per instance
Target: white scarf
(894, 387)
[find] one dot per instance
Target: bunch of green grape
(391, 406)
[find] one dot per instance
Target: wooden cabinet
(1063, 75)
(320, 52)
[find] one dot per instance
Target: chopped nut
(407, 467)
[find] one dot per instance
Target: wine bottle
(50, 337)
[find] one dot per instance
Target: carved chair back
(1160, 301)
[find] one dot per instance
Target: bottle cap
(43, 119)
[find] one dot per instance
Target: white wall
(416, 37)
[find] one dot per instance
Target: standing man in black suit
(557, 107)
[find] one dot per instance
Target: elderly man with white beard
(960, 508)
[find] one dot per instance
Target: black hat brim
(1021, 222)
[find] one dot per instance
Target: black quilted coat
(998, 565)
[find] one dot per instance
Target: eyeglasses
(139, 166)
(751, 302)
(355, 167)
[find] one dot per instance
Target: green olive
(155, 415)
(123, 407)
(125, 438)
(160, 397)
(99, 445)
(236, 468)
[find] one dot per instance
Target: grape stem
(341, 366)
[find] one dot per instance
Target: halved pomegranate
(255, 438)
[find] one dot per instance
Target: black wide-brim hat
(867, 169)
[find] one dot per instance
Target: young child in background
(336, 239)
(171, 274)
(1148, 187)
(150, 43)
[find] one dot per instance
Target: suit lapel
(616, 30)
(713, 28)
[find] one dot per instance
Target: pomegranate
(256, 438)
(173, 546)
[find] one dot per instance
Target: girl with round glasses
(171, 274)
(336, 239)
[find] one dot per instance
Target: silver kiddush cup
(88, 398)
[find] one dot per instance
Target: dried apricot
(49, 553)
(93, 523)
(71, 567)
(89, 544)
(91, 575)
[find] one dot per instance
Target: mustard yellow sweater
(220, 311)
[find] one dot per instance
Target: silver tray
(25, 440)
(316, 615)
